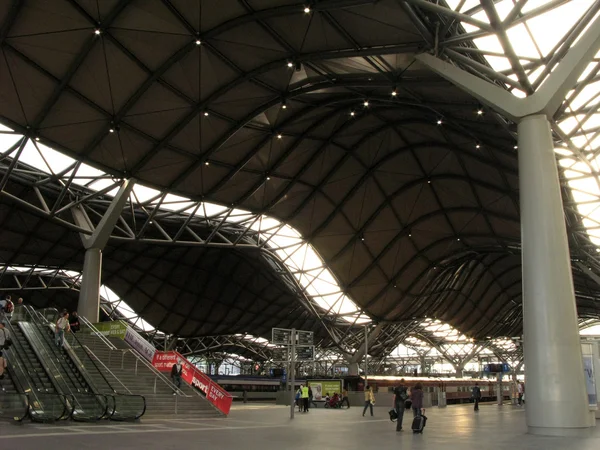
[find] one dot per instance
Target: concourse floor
(254, 427)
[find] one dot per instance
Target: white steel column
(89, 294)
(555, 387)
(89, 291)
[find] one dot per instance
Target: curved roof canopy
(321, 119)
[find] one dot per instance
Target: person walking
(304, 398)
(74, 322)
(400, 397)
(176, 372)
(369, 400)
(298, 398)
(62, 326)
(416, 396)
(476, 394)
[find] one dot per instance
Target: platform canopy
(295, 164)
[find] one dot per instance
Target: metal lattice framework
(263, 122)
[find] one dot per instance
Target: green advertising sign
(112, 329)
(321, 388)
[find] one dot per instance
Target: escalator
(90, 386)
(66, 378)
(28, 382)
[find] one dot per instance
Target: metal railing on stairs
(120, 405)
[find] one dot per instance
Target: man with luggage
(400, 398)
(476, 394)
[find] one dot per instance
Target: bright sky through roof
(300, 257)
(532, 40)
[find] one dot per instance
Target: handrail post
(155, 378)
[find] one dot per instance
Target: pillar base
(560, 432)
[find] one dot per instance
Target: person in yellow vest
(304, 397)
(369, 400)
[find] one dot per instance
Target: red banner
(163, 362)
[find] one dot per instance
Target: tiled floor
(254, 427)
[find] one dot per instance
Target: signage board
(163, 362)
(281, 336)
(306, 353)
(321, 388)
(304, 338)
(280, 354)
(109, 329)
(143, 347)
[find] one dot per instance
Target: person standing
(416, 396)
(74, 322)
(369, 400)
(304, 398)
(176, 372)
(345, 397)
(4, 342)
(520, 393)
(7, 307)
(400, 397)
(476, 394)
(62, 326)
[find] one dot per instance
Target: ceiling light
(352, 113)
(362, 239)
(428, 181)
(366, 103)
(458, 239)
(598, 249)
(205, 113)
(307, 10)
(206, 163)
(111, 130)
(439, 122)
(480, 112)
(268, 178)
(279, 136)
(478, 146)
(516, 147)
(198, 42)
(394, 93)
(290, 64)
(409, 234)
(97, 31)
(284, 106)
(37, 138)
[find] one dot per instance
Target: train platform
(260, 426)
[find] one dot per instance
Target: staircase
(136, 376)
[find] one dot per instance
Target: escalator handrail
(42, 321)
(137, 416)
(37, 318)
(50, 366)
(15, 362)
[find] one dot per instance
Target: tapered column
(89, 292)
(555, 387)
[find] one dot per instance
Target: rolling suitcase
(419, 423)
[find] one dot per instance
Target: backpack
(402, 394)
(9, 307)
